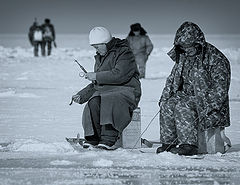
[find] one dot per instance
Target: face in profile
(100, 48)
(136, 33)
(190, 51)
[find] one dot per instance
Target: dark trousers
(102, 133)
(36, 45)
(49, 47)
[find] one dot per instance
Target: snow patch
(61, 162)
(9, 93)
(157, 75)
(102, 163)
(233, 54)
(22, 78)
(27, 95)
(12, 93)
(34, 145)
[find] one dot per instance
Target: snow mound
(34, 145)
(16, 52)
(102, 163)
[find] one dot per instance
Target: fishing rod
(81, 74)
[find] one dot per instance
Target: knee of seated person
(180, 105)
(94, 102)
(166, 105)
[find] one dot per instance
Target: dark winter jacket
(117, 82)
(45, 28)
(210, 77)
(31, 31)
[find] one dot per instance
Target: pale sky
(156, 16)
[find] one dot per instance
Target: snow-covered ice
(35, 118)
(102, 163)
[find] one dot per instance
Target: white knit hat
(99, 35)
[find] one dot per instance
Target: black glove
(76, 98)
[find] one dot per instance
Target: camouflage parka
(210, 77)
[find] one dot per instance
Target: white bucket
(130, 137)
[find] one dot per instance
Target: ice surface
(35, 118)
(61, 162)
(12, 93)
(102, 163)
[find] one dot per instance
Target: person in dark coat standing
(48, 37)
(141, 46)
(31, 31)
(35, 36)
(114, 91)
(195, 96)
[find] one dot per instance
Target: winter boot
(106, 146)
(165, 147)
(109, 136)
(91, 141)
(90, 144)
(185, 149)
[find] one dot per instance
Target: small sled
(76, 143)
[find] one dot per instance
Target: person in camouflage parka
(195, 96)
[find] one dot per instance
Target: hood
(187, 34)
(116, 42)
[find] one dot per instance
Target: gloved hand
(76, 98)
(161, 101)
(90, 76)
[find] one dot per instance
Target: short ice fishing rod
(81, 67)
(81, 74)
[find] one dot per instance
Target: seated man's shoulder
(123, 46)
(215, 54)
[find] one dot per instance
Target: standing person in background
(141, 46)
(35, 36)
(31, 31)
(48, 37)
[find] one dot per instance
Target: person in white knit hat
(114, 91)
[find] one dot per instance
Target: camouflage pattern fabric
(179, 120)
(189, 34)
(205, 77)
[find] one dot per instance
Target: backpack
(37, 35)
(47, 35)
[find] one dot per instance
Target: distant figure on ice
(141, 46)
(48, 37)
(114, 91)
(35, 36)
(196, 92)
